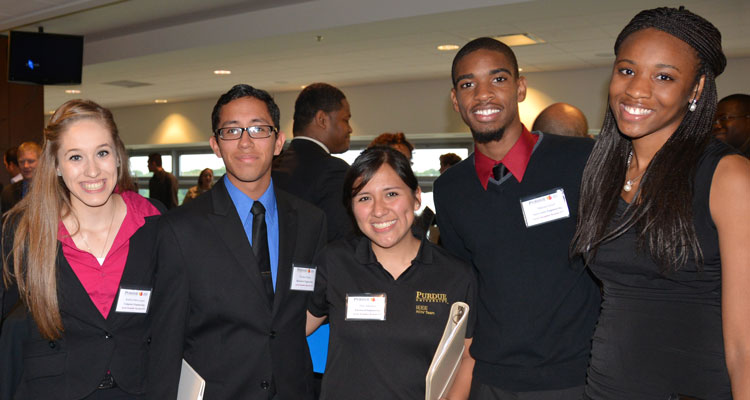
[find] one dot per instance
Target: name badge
(544, 207)
(303, 277)
(133, 300)
(365, 307)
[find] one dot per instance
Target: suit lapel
(287, 244)
(226, 223)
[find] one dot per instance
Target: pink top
(102, 281)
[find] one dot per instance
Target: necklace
(628, 186)
(109, 230)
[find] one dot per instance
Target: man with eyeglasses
(732, 122)
(236, 269)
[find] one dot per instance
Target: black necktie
(260, 247)
(499, 171)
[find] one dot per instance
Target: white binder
(444, 366)
(191, 384)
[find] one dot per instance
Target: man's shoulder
(289, 202)
(566, 145)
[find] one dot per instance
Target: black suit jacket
(73, 366)
(217, 316)
(11, 195)
(308, 172)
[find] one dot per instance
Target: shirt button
(51, 345)
(107, 335)
(264, 384)
(272, 334)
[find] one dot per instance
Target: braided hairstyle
(662, 209)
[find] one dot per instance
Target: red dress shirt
(515, 161)
(102, 281)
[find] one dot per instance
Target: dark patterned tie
(260, 247)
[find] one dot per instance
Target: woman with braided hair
(664, 222)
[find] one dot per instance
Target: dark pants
(480, 391)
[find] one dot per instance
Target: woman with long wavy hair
(664, 222)
(78, 250)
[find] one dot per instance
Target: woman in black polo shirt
(386, 293)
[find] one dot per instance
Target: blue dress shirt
(243, 203)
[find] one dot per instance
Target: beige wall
(416, 107)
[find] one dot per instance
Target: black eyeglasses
(725, 118)
(255, 132)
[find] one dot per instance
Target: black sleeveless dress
(660, 333)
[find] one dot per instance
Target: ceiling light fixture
(519, 39)
(160, 101)
(222, 72)
(447, 47)
(72, 91)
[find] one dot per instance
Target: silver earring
(693, 106)
(59, 173)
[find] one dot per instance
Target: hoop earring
(693, 106)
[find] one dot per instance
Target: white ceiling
(174, 45)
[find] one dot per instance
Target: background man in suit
(162, 186)
(239, 260)
(10, 159)
(28, 155)
(307, 169)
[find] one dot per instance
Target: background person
(163, 185)
(395, 140)
(664, 222)
(562, 119)
(28, 156)
(393, 351)
(732, 122)
(205, 182)
(448, 160)
(73, 244)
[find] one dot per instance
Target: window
(193, 164)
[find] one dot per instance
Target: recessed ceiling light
(72, 91)
(160, 101)
(520, 69)
(51, 112)
(447, 47)
(222, 72)
(519, 39)
(303, 86)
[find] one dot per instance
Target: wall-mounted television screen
(44, 58)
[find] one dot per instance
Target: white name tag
(303, 278)
(365, 307)
(544, 207)
(133, 301)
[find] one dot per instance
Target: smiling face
(653, 82)
(27, 161)
(384, 209)
(87, 161)
(248, 160)
(486, 94)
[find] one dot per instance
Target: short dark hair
(242, 90)
(11, 155)
(314, 97)
(484, 43)
(155, 158)
(365, 167)
(742, 99)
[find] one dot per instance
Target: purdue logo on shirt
(425, 297)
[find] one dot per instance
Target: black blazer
(73, 366)
(305, 170)
(217, 316)
(11, 195)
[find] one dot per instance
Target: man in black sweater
(510, 209)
